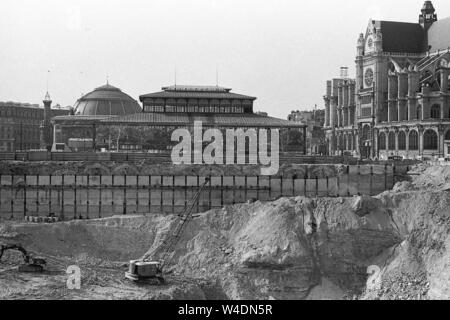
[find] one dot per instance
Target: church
(399, 102)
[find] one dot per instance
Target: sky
(280, 51)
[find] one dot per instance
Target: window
(382, 141)
(158, 108)
(366, 99)
(366, 133)
(366, 112)
(436, 111)
(413, 140)
(341, 142)
(419, 112)
(401, 140)
(447, 136)
(391, 141)
(430, 140)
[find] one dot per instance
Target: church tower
(46, 130)
(428, 16)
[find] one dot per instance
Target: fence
(84, 196)
(285, 157)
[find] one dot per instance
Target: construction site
(158, 232)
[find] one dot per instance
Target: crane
(148, 269)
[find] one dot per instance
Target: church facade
(399, 102)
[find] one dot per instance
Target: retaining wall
(94, 196)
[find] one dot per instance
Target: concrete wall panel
(99, 196)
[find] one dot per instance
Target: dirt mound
(119, 238)
(420, 266)
(429, 177)
(283, 250)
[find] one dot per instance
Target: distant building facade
(149, 129)
(399, 102)
(20, 125)
(340, 123)
(314, 121)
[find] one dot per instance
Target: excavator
(148, 269)
(30, 265)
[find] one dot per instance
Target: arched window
(447, 136)
(366, 133)
(382, 141)
(401, 140)
(413, 140)
(430, 140)
(391, 141)
(419, 112)
(341, 142)
(436, 111)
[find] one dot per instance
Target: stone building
(314, 121)
(22, 124)
(340, 116)
(149, 129)
(398, 104)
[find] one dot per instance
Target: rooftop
(195, 92)
(184, 88)
(185, 119)
(438, 35)
(214, 120)
(402, 37)
(30, 105)
(106, 100)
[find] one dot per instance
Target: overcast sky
(281, 51)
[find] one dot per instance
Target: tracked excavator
(30, 263)
(148, 269)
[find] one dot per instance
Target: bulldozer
(148, 269)
(30, 264)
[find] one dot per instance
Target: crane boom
(170, 243)
(146, 269)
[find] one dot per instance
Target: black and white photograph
(243, 152)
